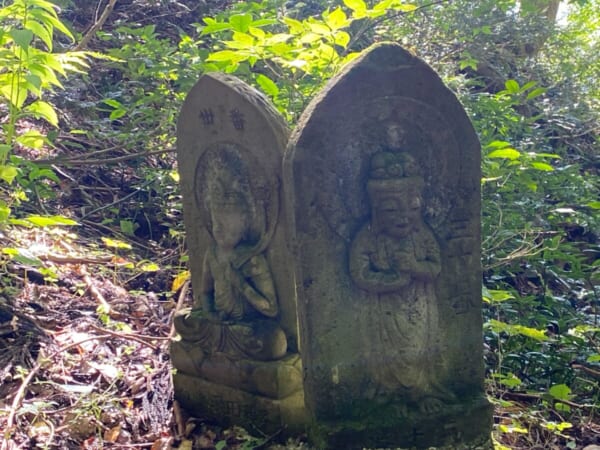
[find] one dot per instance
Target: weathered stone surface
(382, 178)
(241, 333)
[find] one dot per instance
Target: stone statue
(233, 316)
(396, 257)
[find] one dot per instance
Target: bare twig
(97, 26)
(94, 291)
(95, 162)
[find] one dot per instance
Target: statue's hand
(403, 261)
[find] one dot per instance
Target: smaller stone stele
(237, 357)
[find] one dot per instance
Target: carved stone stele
(382, 181)
(237, 357)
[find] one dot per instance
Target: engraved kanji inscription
(237, 119)
(207, 116)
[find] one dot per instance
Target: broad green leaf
(593, 205)
(51, 20)
(319, 28)
(32, 139)
(4, 150)
(115, 243)
(34, 83)
(496, 296)
(336, 19)
(243, 38)
(383, 5)
(356, 5)
(560, 427)
(22, 38)
(536, 93)
(267, 85)
(593, 358)
(505, 153)
(544, 167)
(117, 114)
(405, 7)
(181, 278)
(240, 22)
(16, 93)
(342, 39)
(226, 55)
(41, 32)
(309, 38)
(512, 86)
(294, 25)
(257, 33)
(278, 38)
(8, 173)
(149, 267)
(4, 212)
(23, 256)
(114, 103)
(45, 110)
(560, 391)
(263, 22)
(498, 144)
(215, 28)
(50, 221)
(532, 333)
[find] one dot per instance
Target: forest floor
(84, 361)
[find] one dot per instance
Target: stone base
(457, 427)
(228, 406)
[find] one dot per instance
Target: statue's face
(397, 216)
(228, 227)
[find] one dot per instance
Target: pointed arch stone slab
(237, 360)
(382, 180)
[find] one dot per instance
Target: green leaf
(8, 173)
(560, 391)
(44, 110)
(4, 212)
(50, 221)
(32, 139)
(40, 31)
(532, 333)
(243, 38)
(319, 28)
(267, 85)
(356, 5)
(505, 153)
(593, 358)
(342, 39)
(115, 243)
(226, 55)
(536, 93)
(23, 256)
(215, 27)
(542, 166)
(512, 86)
(593, 205)
(336, 19)
(22, 38)
(295, 26)
(117, 114)
(498, 144)
(240, 22)
(496, 296)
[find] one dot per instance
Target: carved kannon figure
(396, 258)
(234, 315)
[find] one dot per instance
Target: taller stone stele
(383, 176)
(237, 360)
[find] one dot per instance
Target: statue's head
(394, 189)
(230, 213)
(395, 136)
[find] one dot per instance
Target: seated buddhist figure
(396, 258)
(234, 316)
